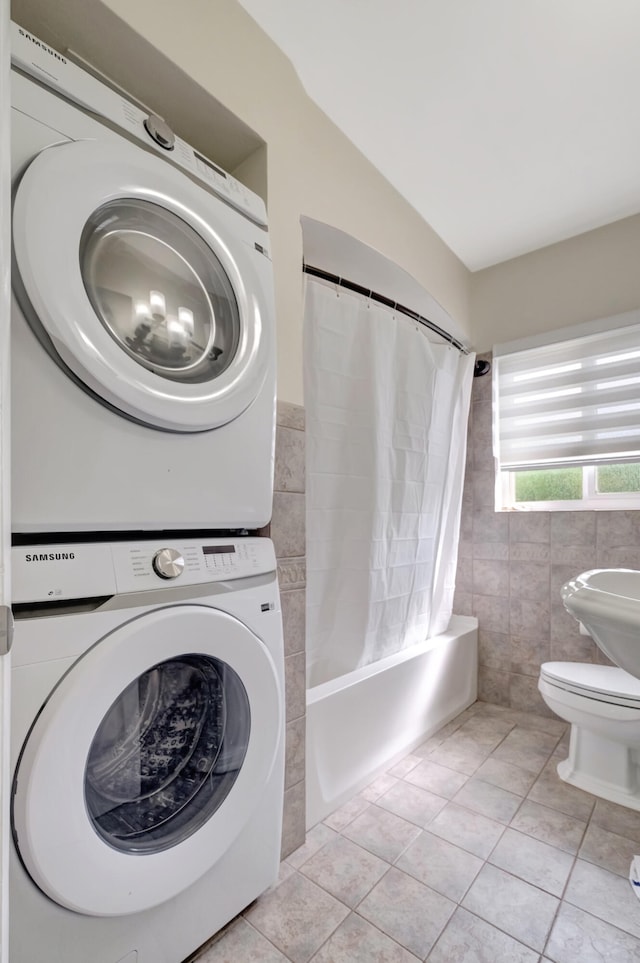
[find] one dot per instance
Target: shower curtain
(386, 411)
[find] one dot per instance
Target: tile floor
(468, 850)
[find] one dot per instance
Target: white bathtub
(360, 724)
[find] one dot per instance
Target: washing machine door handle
(6, 629)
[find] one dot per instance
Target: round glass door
(181, 735)
(167, 754)
(152, 293)
(159, 290)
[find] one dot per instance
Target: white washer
(143, 330)
(147, 745)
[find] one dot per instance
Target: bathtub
(361, 723)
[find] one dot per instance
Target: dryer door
(147, 288)
(147, 760)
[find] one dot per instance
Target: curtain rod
(352, 286)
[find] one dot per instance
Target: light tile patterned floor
(468, 850)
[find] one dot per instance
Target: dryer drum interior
(159, 290)
(167, 754)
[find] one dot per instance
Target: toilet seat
(600, 683)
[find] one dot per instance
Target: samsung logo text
(43, 46)
(50, 557)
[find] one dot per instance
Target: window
(566, 410)
(570, 489)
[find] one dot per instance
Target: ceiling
(507, 124)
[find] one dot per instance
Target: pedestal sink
(607, 602)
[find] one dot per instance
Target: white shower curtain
(386, 422)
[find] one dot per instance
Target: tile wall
(288, 533)
(511, 568)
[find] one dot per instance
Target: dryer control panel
(57, 72)
(54, 573)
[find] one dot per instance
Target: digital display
(218, 549)
(208, 163)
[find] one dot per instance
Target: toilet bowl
(602, 704)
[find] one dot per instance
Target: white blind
(574, 402)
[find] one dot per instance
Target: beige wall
(512, 565)
(590, 276)
(312, 169)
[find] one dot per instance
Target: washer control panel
(145, 565)
(84, 570)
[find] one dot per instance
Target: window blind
(572, 402)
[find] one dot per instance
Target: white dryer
(148, 746)
(143, 330)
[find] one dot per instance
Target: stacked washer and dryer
(148, 705)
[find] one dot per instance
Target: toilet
(602, 704)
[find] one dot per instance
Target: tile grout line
(387, 935)
(568, 880)
(265, 937)
(487, 859)
(505, 827)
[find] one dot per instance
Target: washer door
(147, 760)
(142, 284)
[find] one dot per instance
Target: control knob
(168, 563)
(159, 131)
